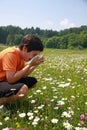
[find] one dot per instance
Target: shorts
(7, 89)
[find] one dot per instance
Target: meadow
(59, 101)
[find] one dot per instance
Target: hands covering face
(36, 60)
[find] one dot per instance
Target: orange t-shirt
(10, 59)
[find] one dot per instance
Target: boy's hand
(38, 59)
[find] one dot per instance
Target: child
(14, 79)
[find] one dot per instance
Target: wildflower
(67, 125)
(66, 85)
(60, 103)
(64, 99)
(45, 117)
(40, 107)
(24, 129)
(84, 128)
(85, 103)
(48, 79)
(6, 118)
(54, 121)
(0, 123)
(29, 96)
(21, 95)
(66, 114)
(44, 87)
(85, 114)
(69, 79)
(41, 93)
(36, 111)
(31, 117)
(72, 98)
(1, 106)
(33, 101)
(52, 100)
(82, 116)
(71, 112)
(56, 108)
(49, 105)
(38, 91)
(82, 122)
(34, 123)
(29, 114)
(77, 128)
(22, 115)
(36, 119)
(62, 85)
(55, 97)
(10, 128)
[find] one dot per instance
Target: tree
(14, 39)
(3, 35)
(68, 38)
(83, 39)
(63, 42)
(10, 40)
(17, 39)
(53, 42)
(73, 41)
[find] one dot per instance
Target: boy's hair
(32, 43)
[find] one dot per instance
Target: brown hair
(32, 43)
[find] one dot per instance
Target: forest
(72, 38)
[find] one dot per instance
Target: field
(59, 101)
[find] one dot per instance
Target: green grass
(60, 94)
(2, 47)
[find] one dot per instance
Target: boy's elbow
(10, 81)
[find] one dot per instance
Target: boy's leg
(29, 81)
(13, 92)
(20, 94)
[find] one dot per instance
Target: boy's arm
(12, 76)
(15, 76)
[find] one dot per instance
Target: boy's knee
(23, 91)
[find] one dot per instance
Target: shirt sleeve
(10, 62)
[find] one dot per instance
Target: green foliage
(14, 39)
(52, 42)
(72, 38)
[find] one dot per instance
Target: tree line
(65, 39)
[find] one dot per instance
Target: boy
(14, 80)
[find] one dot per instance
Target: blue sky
(45, 14)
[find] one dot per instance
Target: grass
(59, 101)
(2, 47)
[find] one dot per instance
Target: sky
(45, 14)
